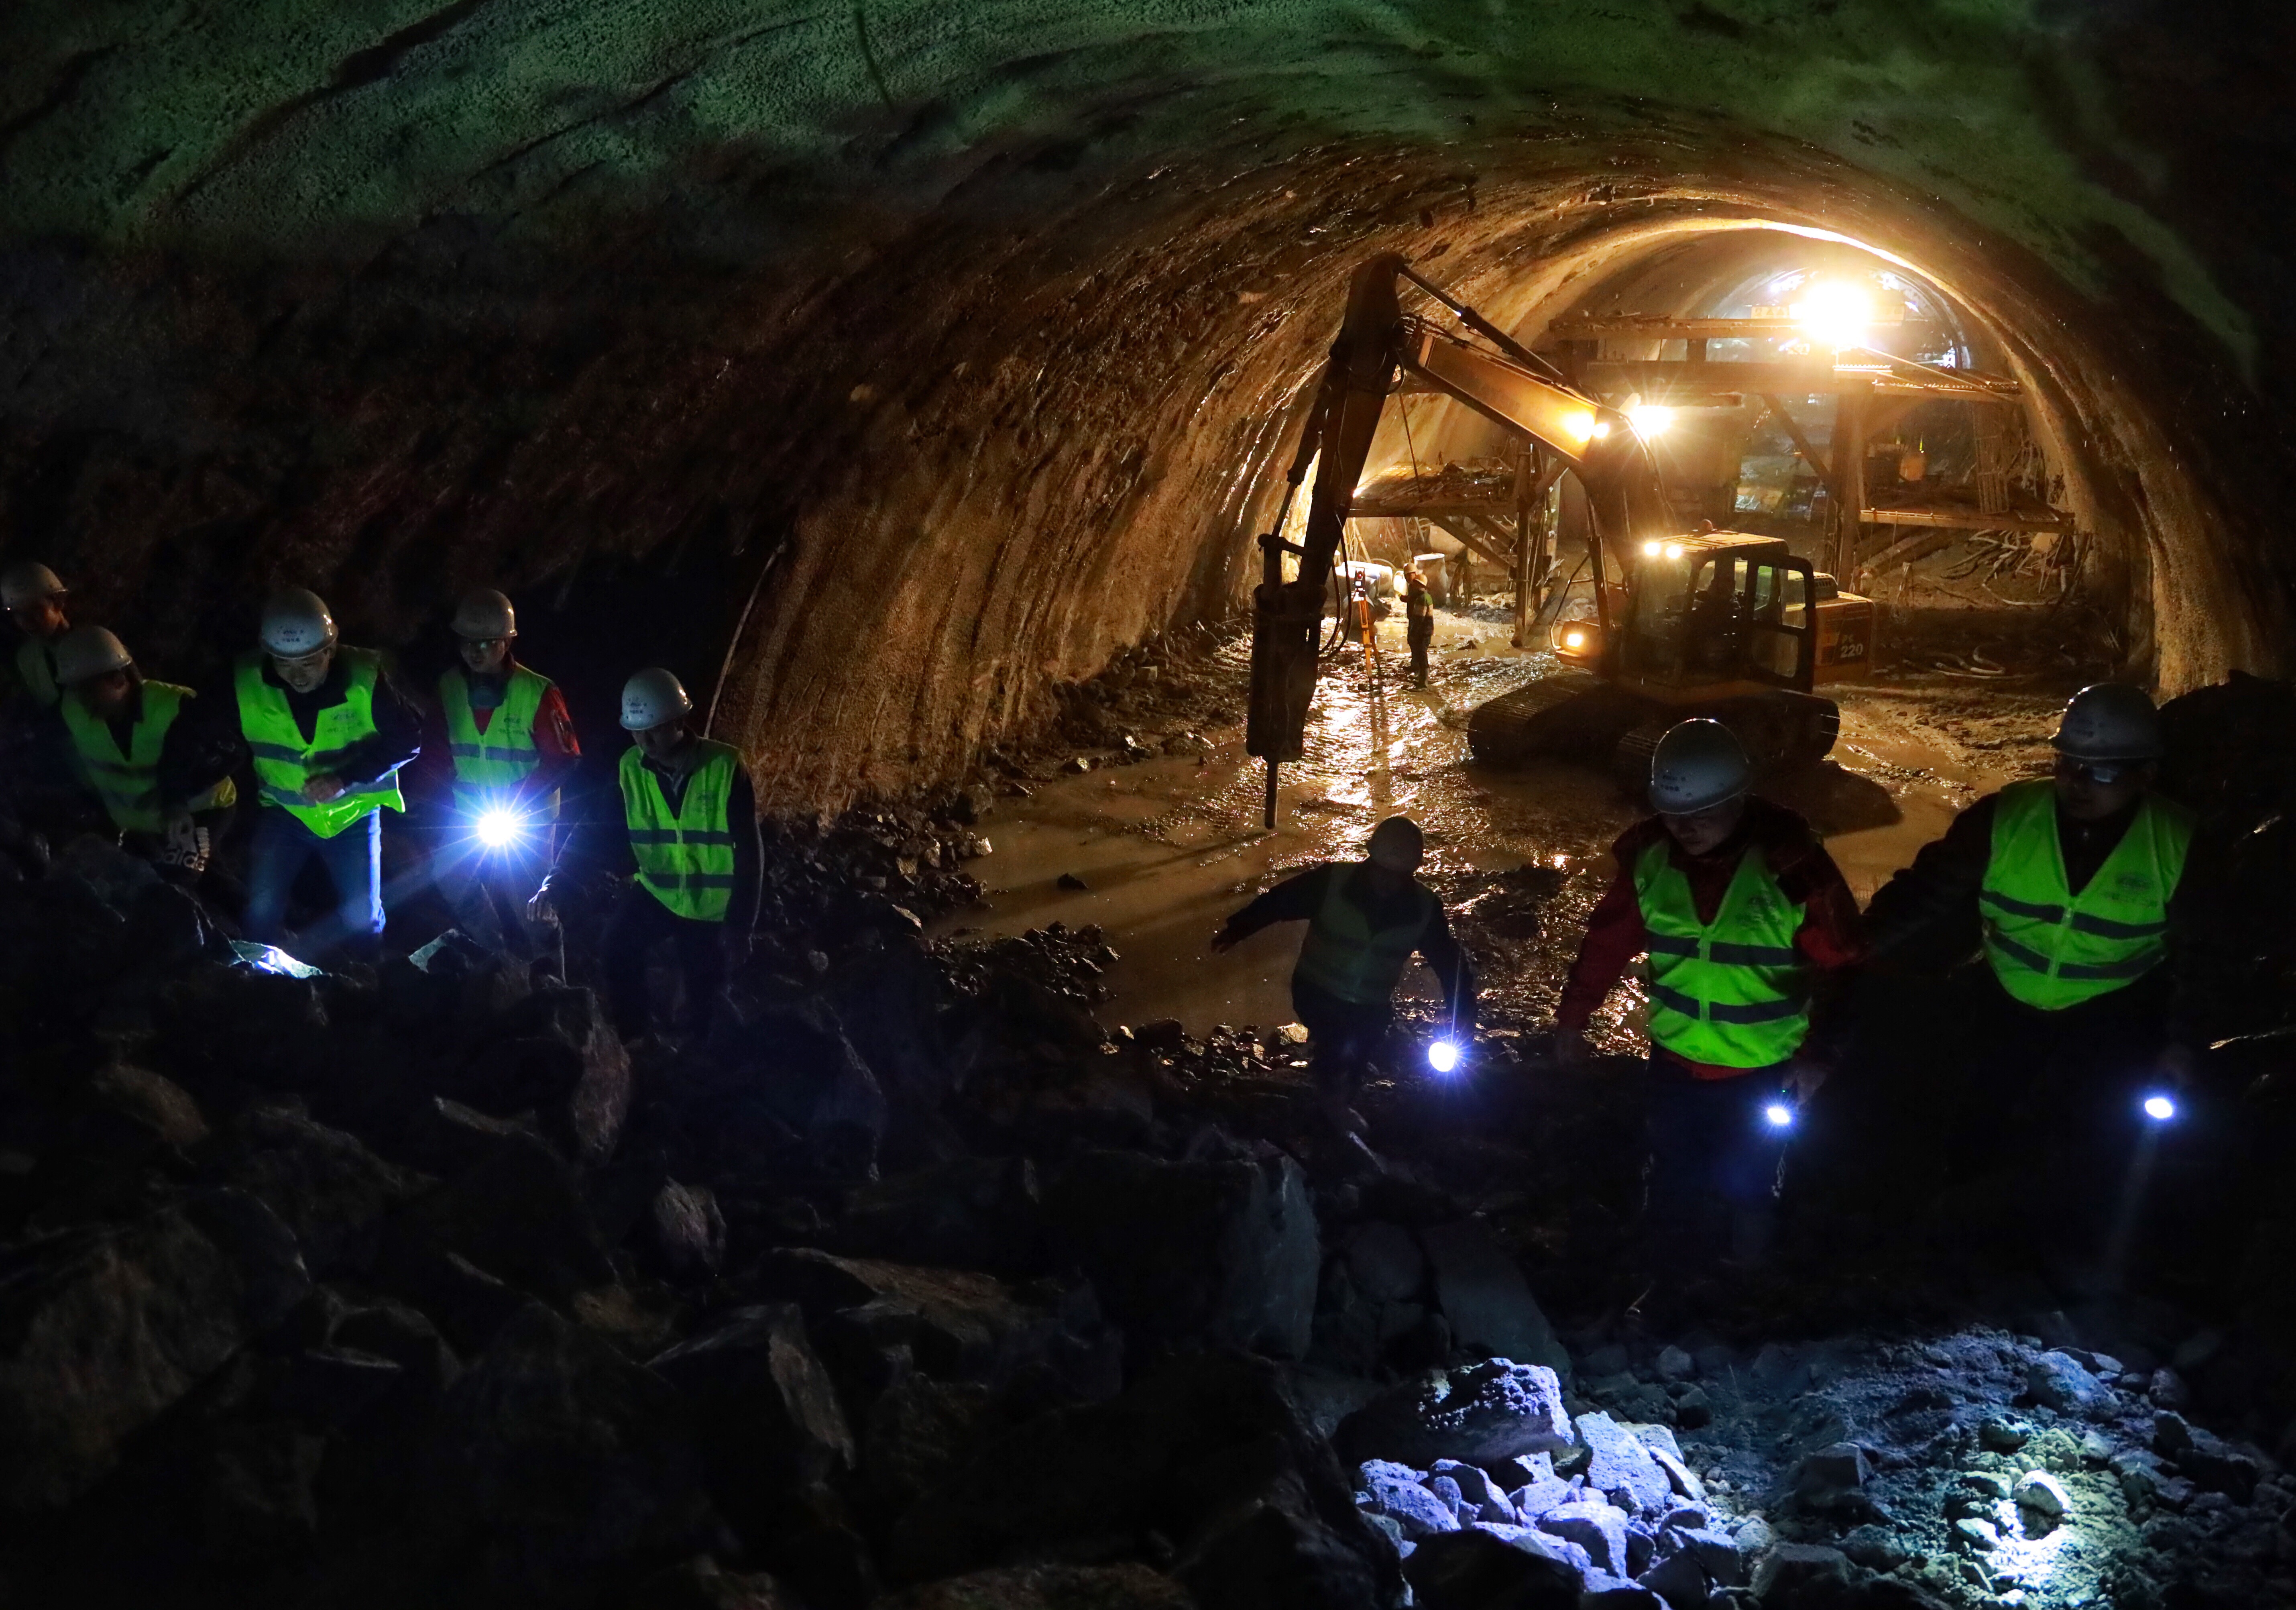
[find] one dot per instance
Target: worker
(1748, 926)
(114, 723)
(325, 732)
(1360, 619)
(511, 747)
(34, 600)
(2068, 887)
(1366, 919)
(690, 830)
(1419, 620)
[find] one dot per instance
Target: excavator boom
(1510, 387)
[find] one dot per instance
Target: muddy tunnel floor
(990, 1250)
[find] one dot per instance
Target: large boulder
(1047, 1588)
(1622, 1468)
(1224, 1253)
(1479, 1569)
(955, 1323)
(327, 1187)
(977, 1213)
(1481, 1292)
(103, 1329)
(515, 1213)
(553, 1459)
(1480, 1415)
(1206, 1452)
(771, 1424)
(563, 1062)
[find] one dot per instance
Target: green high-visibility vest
(1345, 956)
(286, 761)
(36, 671)
(1733, 992)
(685, 856)
(128, 782)
(2053, 948)
(491, 764)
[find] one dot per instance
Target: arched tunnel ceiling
(980, 321)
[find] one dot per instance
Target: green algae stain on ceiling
(278, 126)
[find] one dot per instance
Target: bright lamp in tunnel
(1834, 312)
(499, 827)
(1443, 1055)
(1581, 427)
(1778, 1115)
(2159, 1107)
(1650, 419)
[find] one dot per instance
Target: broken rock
(1478, 1415)
(1217, 1252)
(1476, 1570)
(103, 1328)
(770, 1422)
(1482, 1291)
(2057, 1381)
(1621, 1467)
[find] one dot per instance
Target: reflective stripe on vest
(36, 671)
(1735, 992)
(1347, 957)
(685, 857)
(285, 762)
(2052, 949)
(490, 764)
(128, 783)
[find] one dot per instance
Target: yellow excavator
(1724, 624)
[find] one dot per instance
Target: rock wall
(961, 344)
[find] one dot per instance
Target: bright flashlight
(1650, 419)
(2160, 1108)
(1778, 1115)
(499, 828)
(1834, 312)
(1443, 1055)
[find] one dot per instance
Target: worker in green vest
(2067, 890)
(1365, 921)
(689, 832)
(1748, 926)
(325, 732)
(34, 600)
(511, 747)
(115, 723)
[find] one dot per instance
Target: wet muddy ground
(1163, 848)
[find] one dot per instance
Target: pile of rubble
(913, 1283)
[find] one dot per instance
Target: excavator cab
(1712, 615)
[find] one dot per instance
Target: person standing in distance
(690, 830)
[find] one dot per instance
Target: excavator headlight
(1653, 548)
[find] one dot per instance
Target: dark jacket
(1829, 938)
(599, 842)
(206, 744)
(1297, 899)
(1926, 917)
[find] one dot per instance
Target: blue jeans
(352, 858)
(1709, 1138)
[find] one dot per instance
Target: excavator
(1726, 624)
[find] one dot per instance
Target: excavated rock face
(934, 356)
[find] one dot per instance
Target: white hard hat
(1398, 845)
(90, 651)
(651, 697)
(485, 614)
(296, 622)
(27, 582)
(1697, 765)
(2109, 721)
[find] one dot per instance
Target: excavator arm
(1511, 387)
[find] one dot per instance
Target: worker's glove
(182, 844)
(543, 909)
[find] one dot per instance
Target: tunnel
(924, 386)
